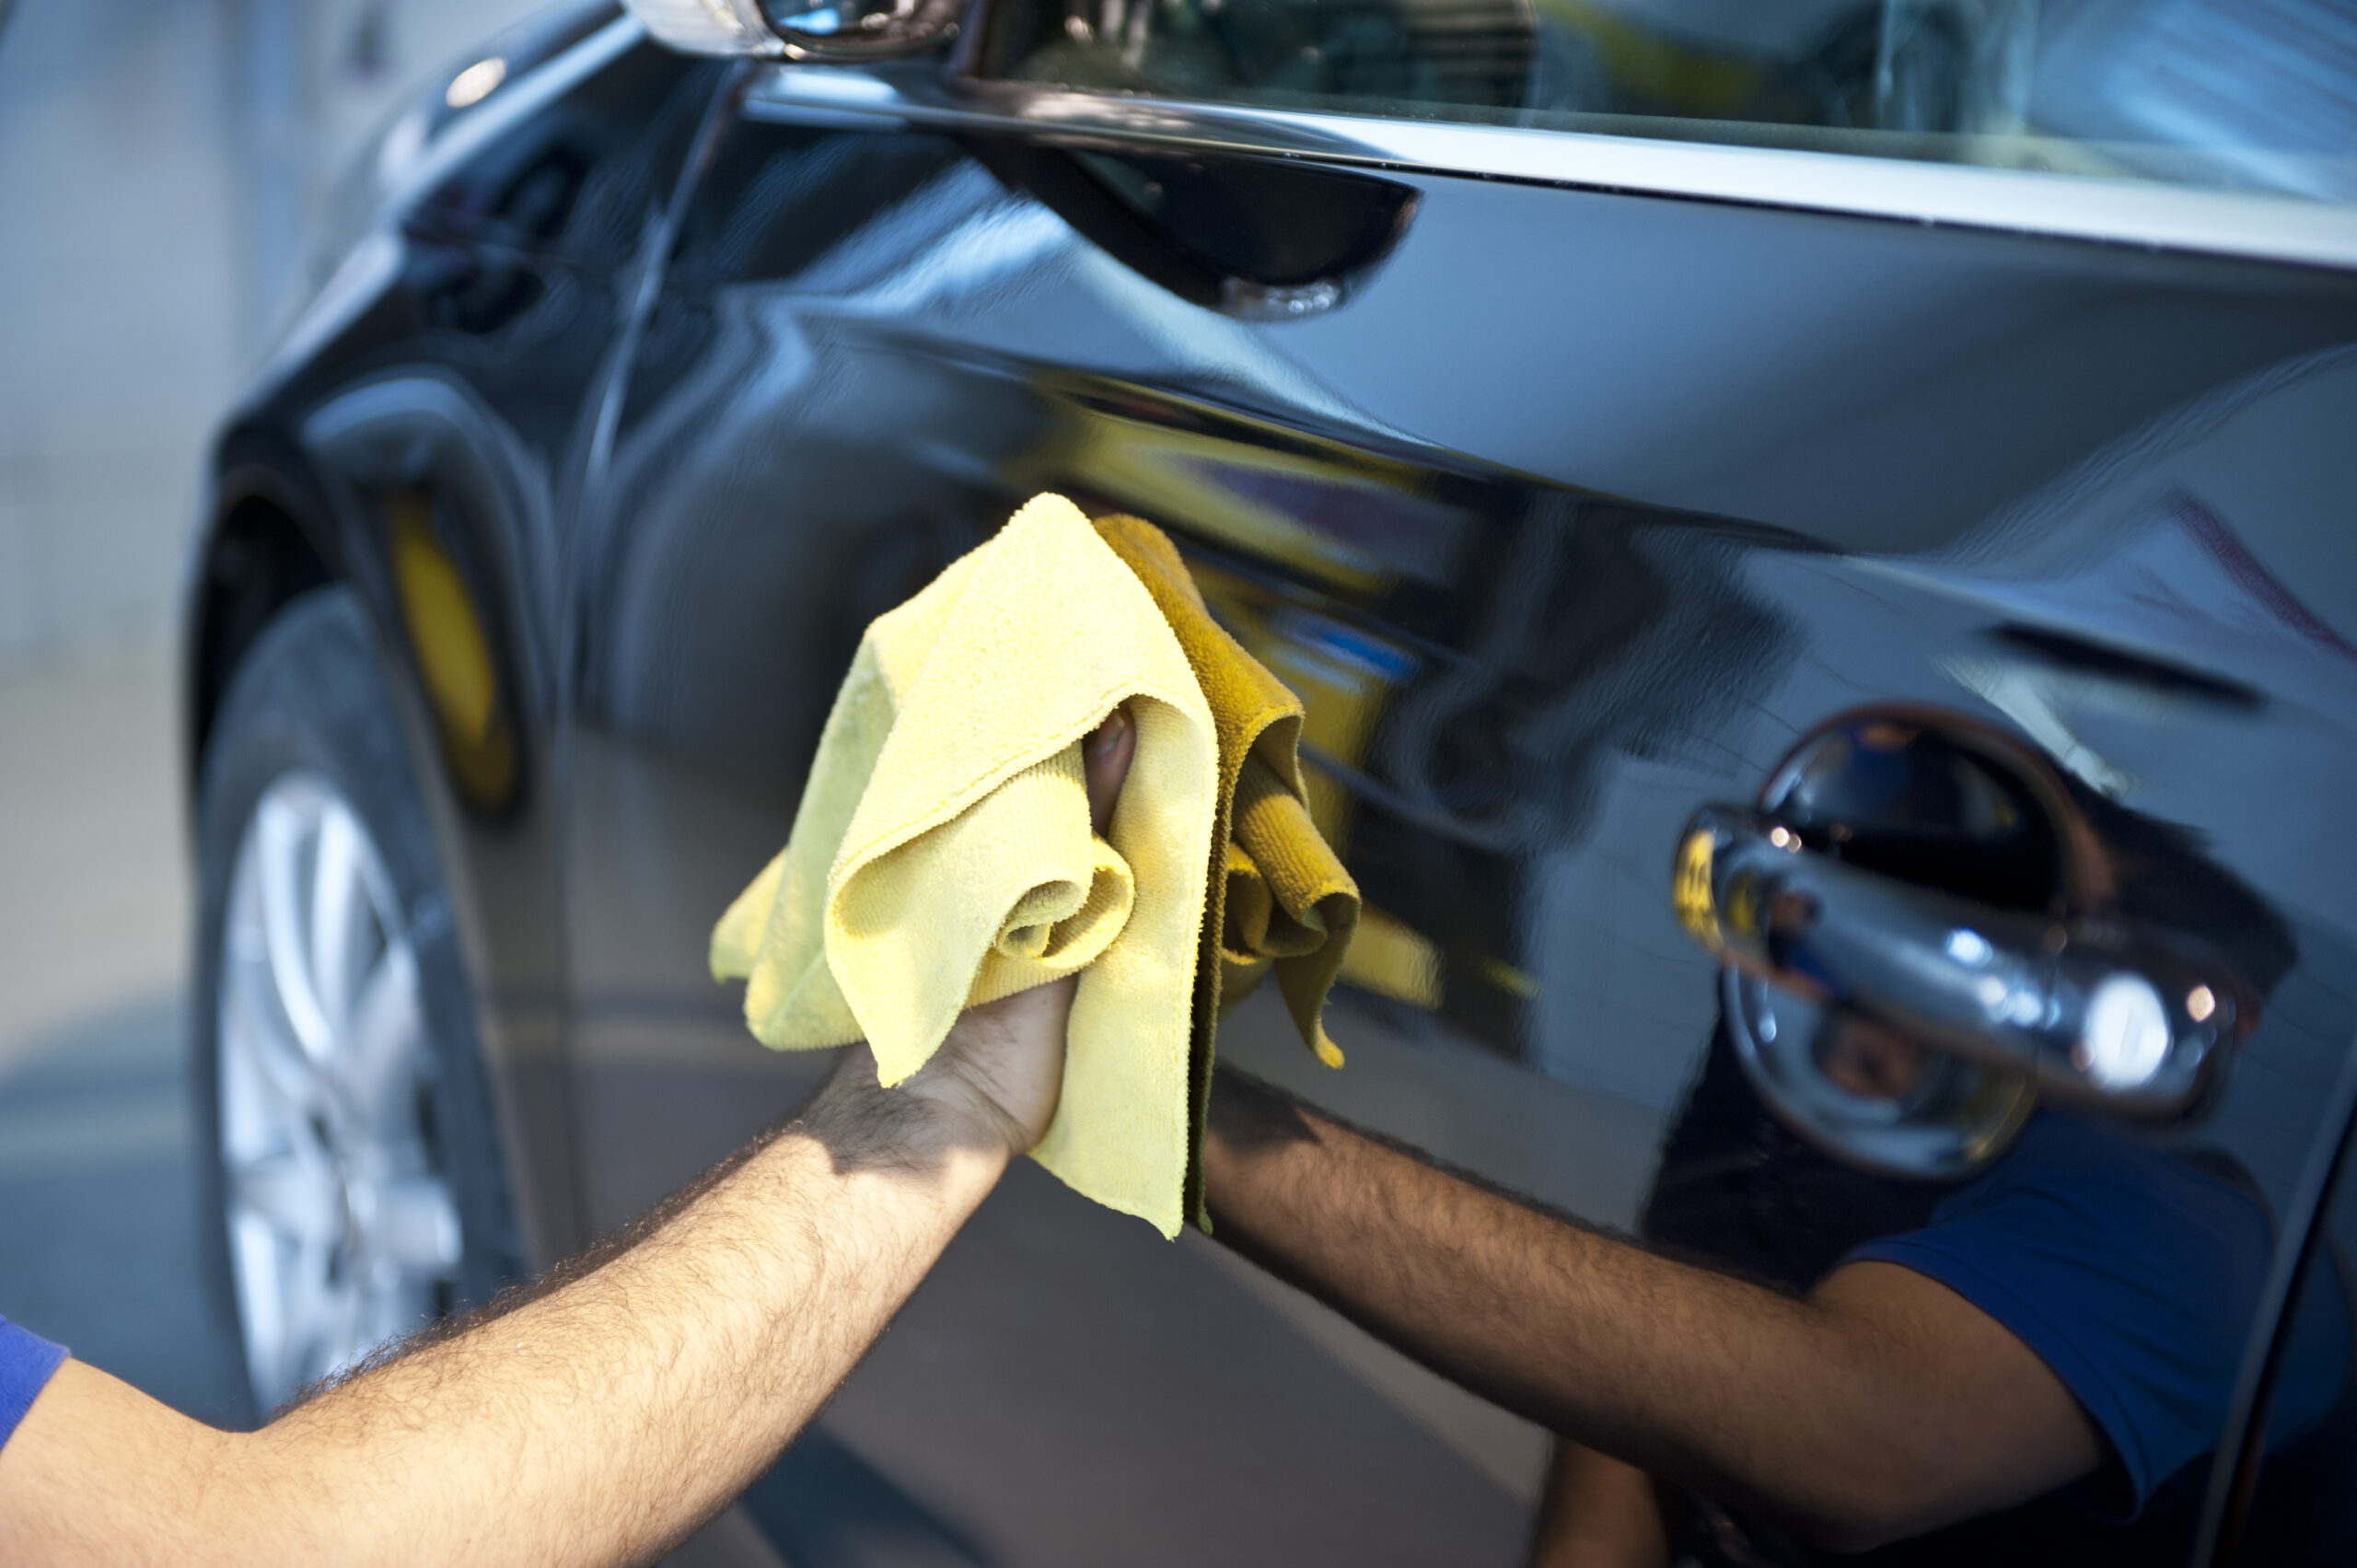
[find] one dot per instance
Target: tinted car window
(2251, 94)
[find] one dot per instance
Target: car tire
(348, 1158)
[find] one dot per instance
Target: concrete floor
(98, 1219)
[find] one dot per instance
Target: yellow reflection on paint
(1510, 980)
(1689, 892)
(453, 655)
(1390, 959)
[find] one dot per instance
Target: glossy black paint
(1567, 515)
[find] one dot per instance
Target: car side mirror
(815, 30)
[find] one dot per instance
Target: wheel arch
(401, 489)
(265, 539)
(302, 503)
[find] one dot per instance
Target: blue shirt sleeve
(25, 1362)
(2133, 1276)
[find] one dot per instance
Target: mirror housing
(812, 31)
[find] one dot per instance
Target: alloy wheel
(342, 1227)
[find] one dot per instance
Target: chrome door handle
(2089, 1007)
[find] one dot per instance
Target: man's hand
(602, 1413)
(998, 1073)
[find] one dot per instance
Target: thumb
(1105, 759)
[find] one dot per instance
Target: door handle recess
(1261, 240)
(2090, 1008)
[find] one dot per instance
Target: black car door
(1575, 470)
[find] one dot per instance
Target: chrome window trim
(2120, 212)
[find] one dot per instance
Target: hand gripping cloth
(1278, 898)
(942, 855)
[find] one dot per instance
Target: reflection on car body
(1569, 511)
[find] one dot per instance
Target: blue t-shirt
(2135, 1277)
(25, 1362)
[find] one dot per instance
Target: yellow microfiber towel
(942, 855)
(1278, 897)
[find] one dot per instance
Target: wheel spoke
(279, 835)
(349, 1339)
(257, 1254)
(317, 1309)
(288, 1305)
(340, 909)
(258, 1045)
(379, 1061)
(296, 1196)
(417, 1226)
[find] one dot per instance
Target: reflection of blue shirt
(2134, 1277)
(25, 1362)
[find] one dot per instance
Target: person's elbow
(1861, 1523)
(1892, 1490)
(1927, 1412)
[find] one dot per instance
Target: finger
(1104, 760)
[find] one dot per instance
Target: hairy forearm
(606, 1421)
(596, 1423)
(1813, 1410)
(1565, 1326)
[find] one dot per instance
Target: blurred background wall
(159, 162)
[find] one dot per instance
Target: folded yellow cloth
(1278, 897)
(942, 853)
